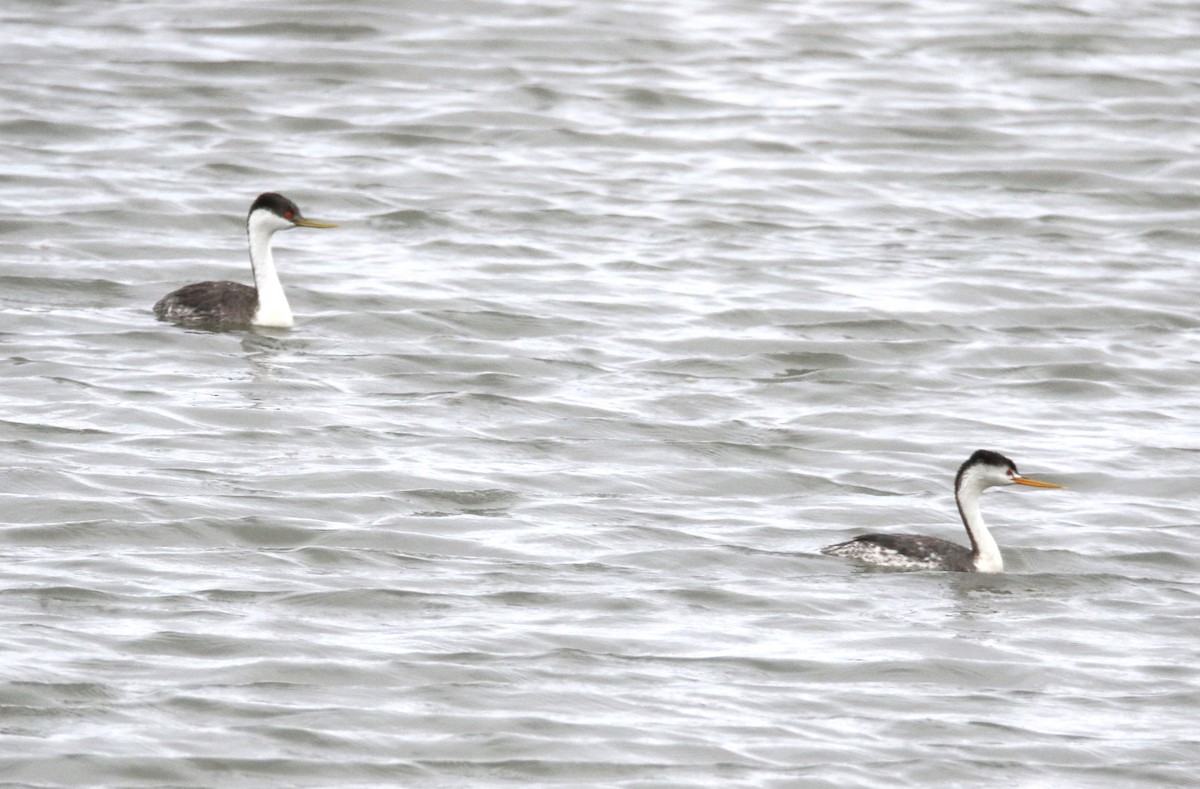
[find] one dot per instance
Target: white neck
(273, 308)
(987, 552)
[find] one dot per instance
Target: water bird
(233, 303)
(984, 469)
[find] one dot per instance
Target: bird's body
(232, 303)
(982, 470)
(220, 301)
(905, 552)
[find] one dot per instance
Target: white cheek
(265, 221)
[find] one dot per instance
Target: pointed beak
(1033, 483)
(302, 222)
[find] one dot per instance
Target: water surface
(632, 308)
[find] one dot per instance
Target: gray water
(632, 308)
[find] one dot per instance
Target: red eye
(287, 214)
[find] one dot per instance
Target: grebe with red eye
(983, 470)
(232, 303)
